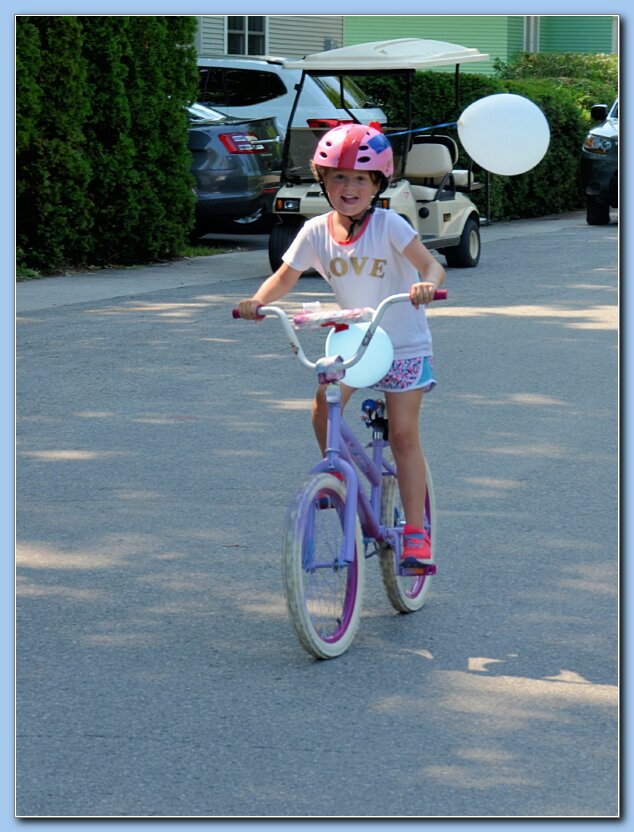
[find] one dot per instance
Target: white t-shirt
(365, 271)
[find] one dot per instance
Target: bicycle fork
(334, 462)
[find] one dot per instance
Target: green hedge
(592, 79)
(102, 163)
(563, 86)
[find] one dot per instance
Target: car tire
(597, 212)
(467, 253)
(280, 238)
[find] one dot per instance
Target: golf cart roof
(386, 55)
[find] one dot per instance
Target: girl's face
(350, 191)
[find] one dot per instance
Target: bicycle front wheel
(324, 595)
(406, 593)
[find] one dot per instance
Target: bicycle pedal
(417, 570)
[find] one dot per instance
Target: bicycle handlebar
(439, 294)
(276, 311)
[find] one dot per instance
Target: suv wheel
(597, 212)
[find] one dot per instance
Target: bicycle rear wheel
(324, 597)
(406, 593)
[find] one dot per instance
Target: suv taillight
(242, 143)
(327, 123)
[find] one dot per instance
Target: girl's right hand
(249, 309)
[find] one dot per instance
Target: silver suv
(262, 87)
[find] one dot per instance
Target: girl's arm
(273, 288)
(430, 270)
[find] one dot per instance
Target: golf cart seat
(429, 166)
(464, 181)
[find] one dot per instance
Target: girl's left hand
(422, 293)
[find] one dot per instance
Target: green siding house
(579, 33)
(500, 36)
(496, 35)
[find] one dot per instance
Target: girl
(367, 254)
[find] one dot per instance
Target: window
(353, 95)
(212, 86)
(246, 35)
(228, 87)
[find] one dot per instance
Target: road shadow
(158, 445)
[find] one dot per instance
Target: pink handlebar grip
(235, 312)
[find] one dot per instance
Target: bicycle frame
(347, 456)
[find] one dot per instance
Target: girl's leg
(320, 412)
(404, 420)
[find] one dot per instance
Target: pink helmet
(355, 147)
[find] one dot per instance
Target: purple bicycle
(336, 520)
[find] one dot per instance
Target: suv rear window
(222, 87)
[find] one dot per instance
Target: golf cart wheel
(280, 238)
(597, 212)
(467, 253)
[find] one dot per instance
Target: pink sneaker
(416, 552)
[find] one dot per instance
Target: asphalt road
(158, 444)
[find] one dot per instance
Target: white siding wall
(211, 30)
(289, 36)
(293, 36)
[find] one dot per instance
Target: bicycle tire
(405, 593)
(324, 602)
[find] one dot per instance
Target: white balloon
(504, 133)
(376, 360)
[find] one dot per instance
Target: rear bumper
(234, 206)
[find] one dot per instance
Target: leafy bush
(591, 79)
(101, 138)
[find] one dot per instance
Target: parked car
(236, 164)
(600, 164)
(256, 87)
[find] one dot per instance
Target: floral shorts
(408, 374)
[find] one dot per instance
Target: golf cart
(425, 189)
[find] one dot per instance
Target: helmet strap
(358, 221)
